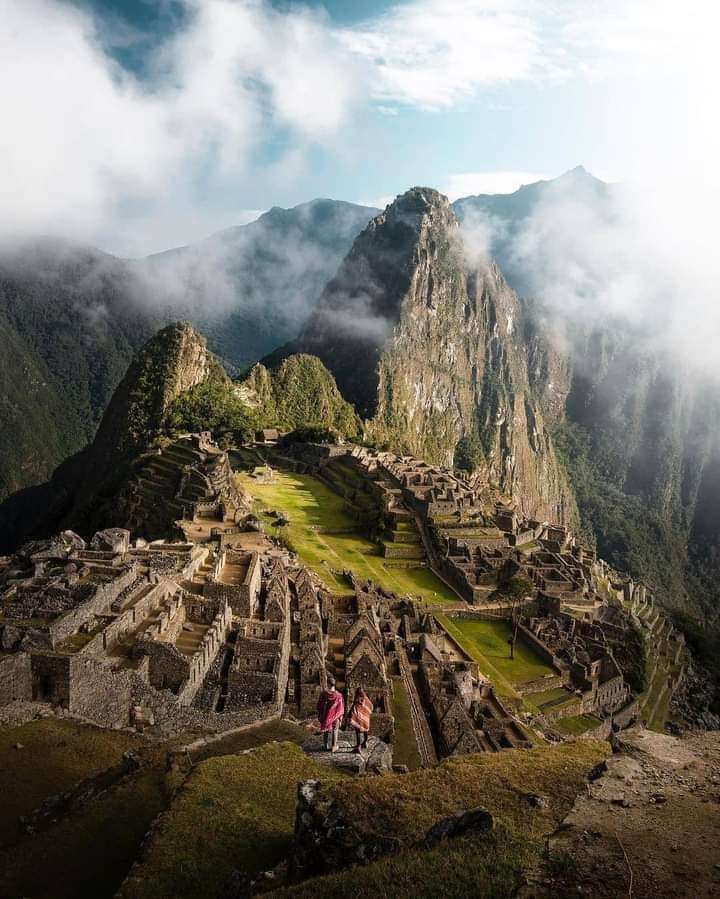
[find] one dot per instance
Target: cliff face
(436, 352)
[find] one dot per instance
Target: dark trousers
(361, 739)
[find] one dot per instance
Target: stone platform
(375, 759)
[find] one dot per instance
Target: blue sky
(140, 125)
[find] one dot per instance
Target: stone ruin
(188, 479)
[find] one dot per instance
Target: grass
(405, 750)
(88, 854)
(486, 642)
(487, 866)
(279, 730)
(56, 755)
(310, 505)
(551, 699)
(234, 812)
(575, 725)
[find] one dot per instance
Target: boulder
(477, 820)
(34, 639)
(115, 540)
(376, 758)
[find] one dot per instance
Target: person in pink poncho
(330, 709)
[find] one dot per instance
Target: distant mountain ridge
(71, 318)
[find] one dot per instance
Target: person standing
(360, 713)
(330, 709)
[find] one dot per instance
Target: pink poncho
(330, 708)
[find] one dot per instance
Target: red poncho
(330, 708)
(360, 714)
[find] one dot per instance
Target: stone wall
(15, 678)
(98, 604)
(98, 696)
(50, 678)
(127, 621)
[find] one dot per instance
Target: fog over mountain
(73, 316)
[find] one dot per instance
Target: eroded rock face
(434, 347)
(325, 840)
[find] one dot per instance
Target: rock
(19, 746)
(376, 759)
(115, 540)
(326, 839)
(478, 820)
(72, 540)
(34, 639)
(11, 637)
(400, 769)
(535, 800)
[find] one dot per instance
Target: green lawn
(574, 725)
(488, 643)
(405, 751)
(310, 505)
(551, 699)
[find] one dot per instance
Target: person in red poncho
(330, 709)
(360, 713)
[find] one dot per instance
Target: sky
(138, 125)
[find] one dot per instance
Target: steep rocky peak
(173, 361)
(419, 208)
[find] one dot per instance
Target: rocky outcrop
(172, 362)
(299, 393)
(432, 347)
(326, 840)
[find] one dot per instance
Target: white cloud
(465, 184)
(90, 151)
(435, 53)
(87, 146)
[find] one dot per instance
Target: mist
(640, 259)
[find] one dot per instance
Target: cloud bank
(93, 150)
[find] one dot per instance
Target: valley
(386, 515)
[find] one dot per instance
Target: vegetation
(325, 536)
(489, 865)
(300, 394)
(516, 587)
(246, 804)
(214, 406)
(87, 854)
(67, 340)
(469, 453)
(630, 533)
(54, 756)
(575, 725)
(405, 750)
(488, 643)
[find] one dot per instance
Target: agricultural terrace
(326, 537)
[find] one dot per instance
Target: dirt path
(648, 828)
